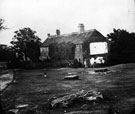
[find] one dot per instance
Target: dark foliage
(75, 64)
(26, 44)
(6, 54)
(122, 47)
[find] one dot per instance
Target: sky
(45, 16)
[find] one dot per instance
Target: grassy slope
(117, 86)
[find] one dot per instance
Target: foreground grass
(32, 88)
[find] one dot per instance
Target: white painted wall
(98, 48)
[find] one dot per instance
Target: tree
(122, 46)
(26, 44)
(6, 53)
(1, 25)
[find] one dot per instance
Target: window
(78, 47)
(44, 49)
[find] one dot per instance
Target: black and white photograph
(67, 56)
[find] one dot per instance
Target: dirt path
(33, 90)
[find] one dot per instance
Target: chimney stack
(48, 35)
(57, 32)
(81, 28)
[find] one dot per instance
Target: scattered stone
(88, 112)
(14, 81)
(101, 70)
(71, 77)
(14, 110)
(45, 92)
(70, 73)
(85, 106)
(81, 96)
(22, 105)
(96, 71)
(39, 90)
(67, 85)
(91, 72)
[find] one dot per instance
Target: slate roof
(75, 38)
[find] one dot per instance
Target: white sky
(45, 16)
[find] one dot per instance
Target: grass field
(32, 88)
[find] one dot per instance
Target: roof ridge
(74, 37)
(90, 30)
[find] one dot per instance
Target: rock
(91, 72)
(13, 111)
(45, 75)
(14, 81)
(85, 106)
(71, 77)
(22, 105)
(101, 70)
(45, 92)
(70, 73)
(81, 96)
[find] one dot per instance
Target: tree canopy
(26, 44)
(122, 46)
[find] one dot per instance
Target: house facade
(88, 47)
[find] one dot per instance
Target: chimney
(57, 32)
(81, 28)
(48, 35)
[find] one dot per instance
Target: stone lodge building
(89, 47)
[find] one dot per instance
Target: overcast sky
(45, 16)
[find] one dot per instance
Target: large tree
(122, 46)
(26, 44)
